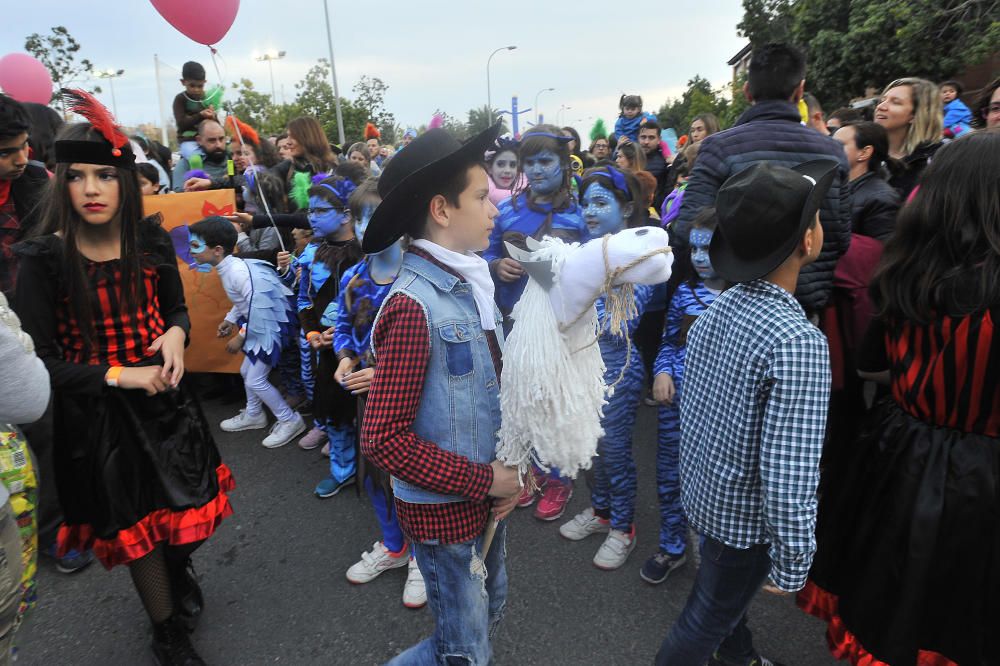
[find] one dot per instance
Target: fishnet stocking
(152, 581)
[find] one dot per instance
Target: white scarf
(476, 272)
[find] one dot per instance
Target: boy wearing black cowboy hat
(754, 413)
(434, 404)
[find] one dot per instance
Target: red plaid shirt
(402, 347)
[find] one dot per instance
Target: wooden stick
(488, 534)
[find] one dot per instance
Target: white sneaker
(244, 421)
(374, 563)
(615, 550)
(283, 432)
(414, 592)
(583, 525)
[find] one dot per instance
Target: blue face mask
(700, 239)
(198, 246)
(544, 172)
(360, 226)
(324, 219)
(602, 211)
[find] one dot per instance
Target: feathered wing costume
(271, 319)
(552, 388)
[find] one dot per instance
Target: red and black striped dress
(908, 566)
(131, 470)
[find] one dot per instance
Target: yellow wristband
(111, 378)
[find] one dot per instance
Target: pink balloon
(204, 22)
(25, 79)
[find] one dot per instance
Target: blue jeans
(466, 598)
(714, 618)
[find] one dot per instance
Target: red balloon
(25, 79)
(204, 22)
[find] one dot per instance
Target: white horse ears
(540, 270)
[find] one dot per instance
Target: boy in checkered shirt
(754, 413)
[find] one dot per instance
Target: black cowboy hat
(763, 212)
(406, 183)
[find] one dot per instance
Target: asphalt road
(273, 578)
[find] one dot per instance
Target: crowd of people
(823, 359)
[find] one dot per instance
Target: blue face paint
(544, 172)
(360, 226)
(385, 265)
(324, 219)
(200, 247)
(700, 239)
(601, 211)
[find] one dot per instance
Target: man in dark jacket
(656, 163)
(22, 182)
(772, 130)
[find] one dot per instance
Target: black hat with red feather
(114, 151)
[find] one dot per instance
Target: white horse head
(583, 272)
(552, 387)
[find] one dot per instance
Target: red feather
(246, 133)
(371, 132)
(85, 104)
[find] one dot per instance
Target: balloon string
(239, 135)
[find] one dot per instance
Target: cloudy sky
(431, 54)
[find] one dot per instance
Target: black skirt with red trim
(133, 471)
(908, 563)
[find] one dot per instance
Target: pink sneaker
(528, 495)
(312, 439)
(554, 499)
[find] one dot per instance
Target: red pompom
(117, 152)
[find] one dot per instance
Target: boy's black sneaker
(188, 599)
(659, 566)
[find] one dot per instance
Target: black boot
(172, 647)
(188, 600)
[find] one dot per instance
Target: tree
(855, 44)
(315, 98)
(481, 119)
(369, 95)
(699, 98)
(58, 52)
(251, 106)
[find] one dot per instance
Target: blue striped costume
(614, 468)
(686, 304)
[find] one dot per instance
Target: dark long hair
(532, 144)
(307, 131)
(944, 258)
(61, 218)
(866, 134)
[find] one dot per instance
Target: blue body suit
(358, 302)
(515, 221)
(614, 469)
(686, 304)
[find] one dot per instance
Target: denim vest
(460, 401)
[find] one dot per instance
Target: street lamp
(269, 57)
(489, 92)
(536, 101)
(111, 75)
(559, 113)
(333, 75)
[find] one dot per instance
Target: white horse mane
(552, 385)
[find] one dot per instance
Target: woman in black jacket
(874, 203)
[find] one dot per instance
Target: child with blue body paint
(631, 117)
(546, 206)
(320, 268)
(263, 319)
(363, 288)
(612, 201)
(690, 300)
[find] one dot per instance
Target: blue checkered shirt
(753, 417)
